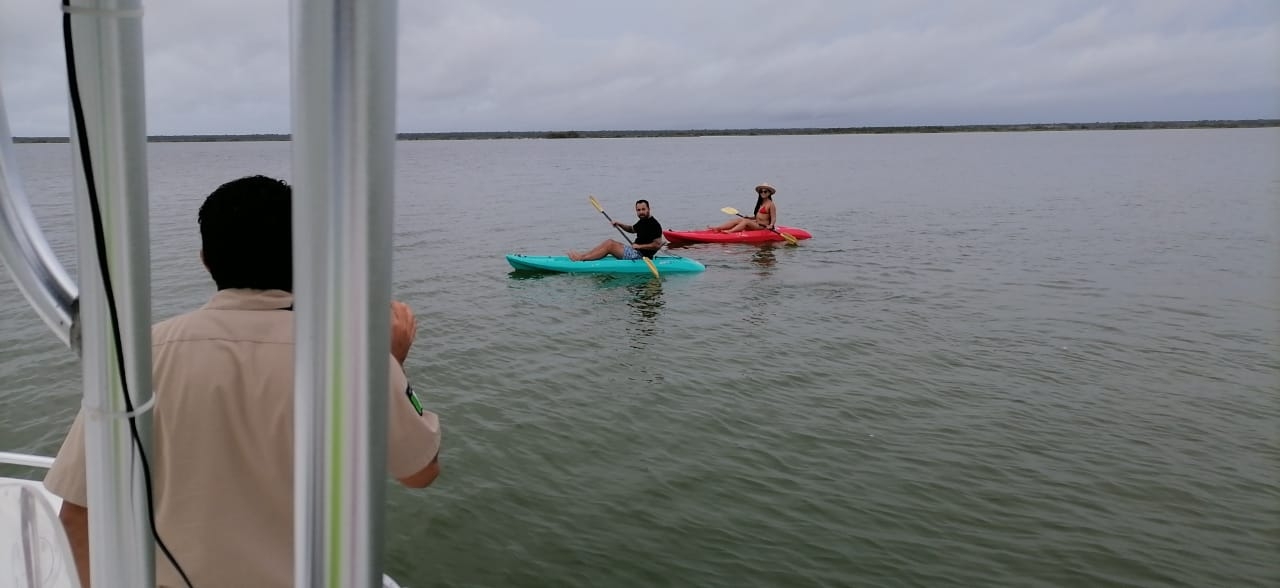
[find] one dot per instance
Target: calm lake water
(1004, 359)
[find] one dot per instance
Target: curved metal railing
(26, 253)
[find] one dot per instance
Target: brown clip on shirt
(222, 463)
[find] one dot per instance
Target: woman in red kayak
(765, 216)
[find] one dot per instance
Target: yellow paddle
(647, 261)
(790, 239)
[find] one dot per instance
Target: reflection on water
(646, 298)
(646, 302)
(527, 275)
(764, 258)
(644, 330)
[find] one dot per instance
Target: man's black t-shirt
(647, 230)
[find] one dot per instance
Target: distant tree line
(1094, 126)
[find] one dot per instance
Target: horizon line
(746, 131)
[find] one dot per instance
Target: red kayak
(757, 236)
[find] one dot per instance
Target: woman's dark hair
(246, 234)
(759, 202)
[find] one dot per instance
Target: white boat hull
(33, 547)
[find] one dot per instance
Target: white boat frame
(343, 68)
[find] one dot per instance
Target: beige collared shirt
(222, 459)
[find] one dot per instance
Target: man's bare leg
(608, 247)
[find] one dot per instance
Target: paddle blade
(652, 268)
(595, 203)
(790, 239)
(729, 210)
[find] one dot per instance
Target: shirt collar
(246, 299)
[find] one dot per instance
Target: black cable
(104, 268)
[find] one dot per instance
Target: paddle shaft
(620, 231)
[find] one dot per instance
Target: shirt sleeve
(413, 433)
(66, 478)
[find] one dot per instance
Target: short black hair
(246, 234)
(644, 202)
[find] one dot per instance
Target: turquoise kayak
(607, 265)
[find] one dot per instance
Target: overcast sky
(221, 66)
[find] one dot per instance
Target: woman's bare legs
(745, 224)
(742, 224)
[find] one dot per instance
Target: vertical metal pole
(343, 86)
(107, 36)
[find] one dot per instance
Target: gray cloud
(509, 65)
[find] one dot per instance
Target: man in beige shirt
(222, 457)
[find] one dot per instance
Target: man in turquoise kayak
(648, 239)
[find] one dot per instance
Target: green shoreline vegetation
(455, 136)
